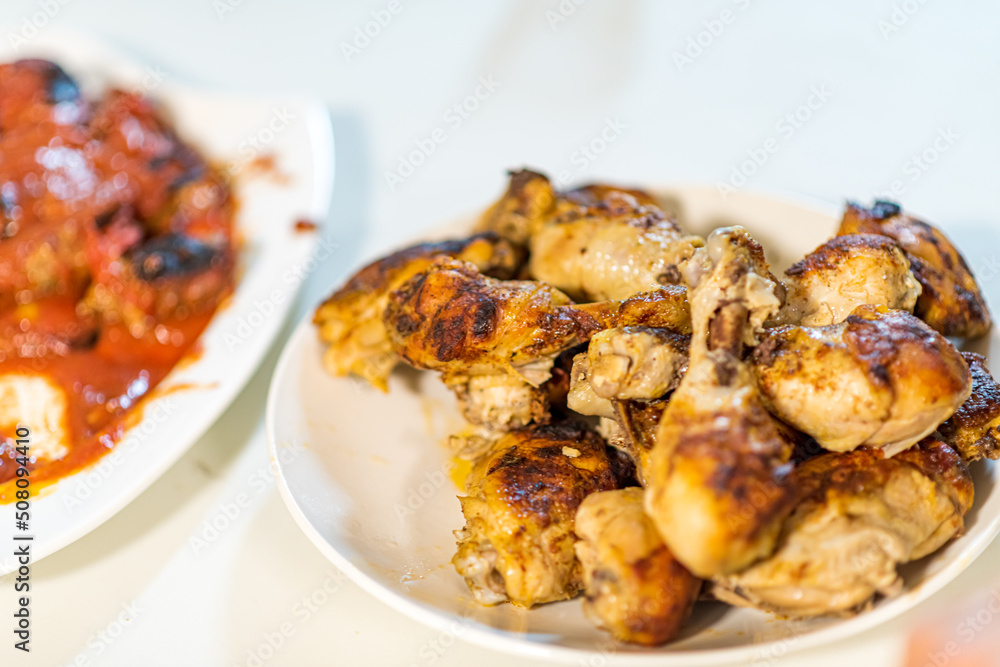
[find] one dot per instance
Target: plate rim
(319, 131)
(511, 643)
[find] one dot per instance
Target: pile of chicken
(656, 417)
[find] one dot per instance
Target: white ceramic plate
(243, 330)
(365, 475)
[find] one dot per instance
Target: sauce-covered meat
(116, 248)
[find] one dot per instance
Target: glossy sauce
(116, 249)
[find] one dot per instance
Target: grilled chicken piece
(529, 198)
(974, 429)
(950, 300)
(880, 378)
(607, 243)
(716, 486)
(637, 424)
(452, 319)
(594, 243)
(350, 320)
(860, 516)
(635, 588)
(499, 401)
(636, 362)
(663, 308)
(517, 544)
(844, 273)
(582, 397)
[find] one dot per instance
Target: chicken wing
(636, 362)
(844, 273)
(594, 243)
(717, 485)
(350, 320)
(607, 243)
(950, 300)
(860, 516)
(491, 340)
(880, 378)
(517, 544)
(974, 429)
(529, 198)
(635, 588)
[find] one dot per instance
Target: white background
(890, 93)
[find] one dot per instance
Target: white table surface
(890, 94)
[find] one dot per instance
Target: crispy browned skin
(350, 320)
(451, 318)
(844, 273)
(517, 544)
(858, 517)
(666, 307)
(881, 378)
(635, 588)
(529, 198)
(974, 429)
(493, 341)
(639, 422)
(950, 301)
(717, 480)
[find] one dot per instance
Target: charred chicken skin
(498, 336)
(880, 378)
(974, 429)
(717, 488)
(858, 517)
(350, 320)
(950, 299)
(635, 588)
(523, 496)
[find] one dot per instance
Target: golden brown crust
(350, 320)
(840, 248)
(950, 301)
(666, 308)
(974, 429)
(881, 378)
(532, 475)
(858, 516)
(517, 544)
(451, 318)
(635, 588)
(515, 216)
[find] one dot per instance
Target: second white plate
(274, 261)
